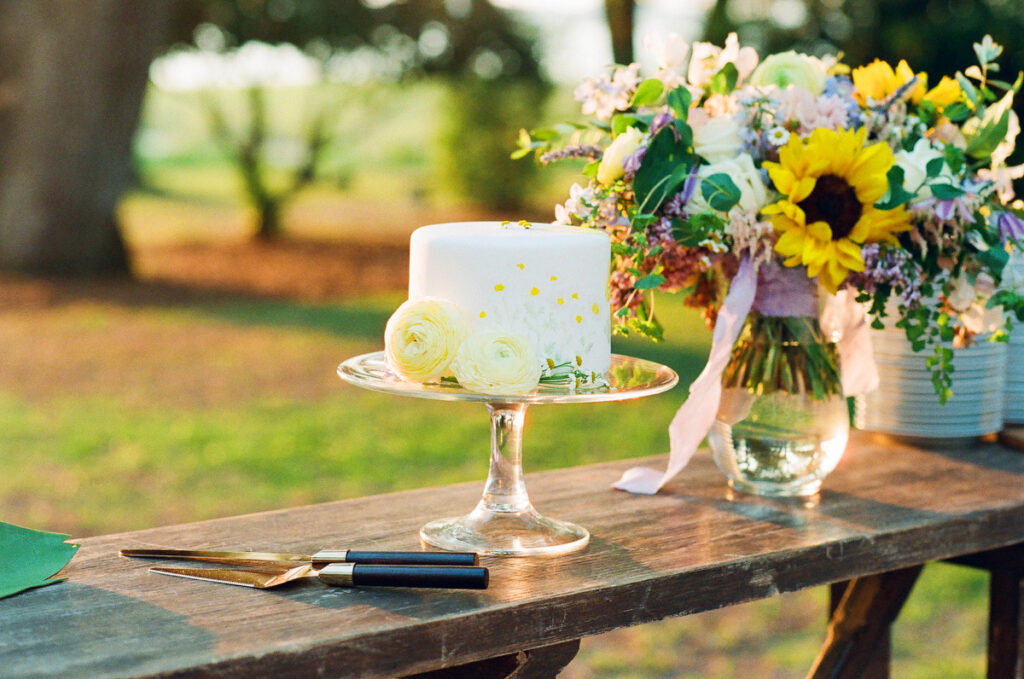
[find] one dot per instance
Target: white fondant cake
(545, 282)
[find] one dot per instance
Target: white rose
(717, 139)
(622, 146)
(961, 294)
(791, 68)
(746, 177)
(496, 362)
(915, 168)
(422, 336)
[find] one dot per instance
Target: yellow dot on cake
(554, 278)
(579, 319)
(499, 287)
(561, 300)
(483, 314)
(534, 291)
(596, 309)
(521, 266)
(575, 295)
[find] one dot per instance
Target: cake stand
(504, 522)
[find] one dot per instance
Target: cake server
(342, 574)
(322, 557)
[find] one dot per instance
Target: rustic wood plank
(862, 618)
(685, 550)
(536, 663)
(879, 665)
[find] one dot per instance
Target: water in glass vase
(779, 444)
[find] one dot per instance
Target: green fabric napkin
(29, 558)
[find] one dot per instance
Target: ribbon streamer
(694, 419)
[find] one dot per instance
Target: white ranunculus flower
(422, 337)
(915, 168)
(791, 68)
(622, 146)
(741, 169)
(717, 139)
(496, 362)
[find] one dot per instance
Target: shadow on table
(81, 631)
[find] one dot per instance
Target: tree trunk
(72, 78)
(620, 15)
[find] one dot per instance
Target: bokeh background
(205, 207)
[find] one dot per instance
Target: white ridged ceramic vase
(1015, 377)
(905, 404)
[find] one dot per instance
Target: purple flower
(1010, 226)
(661, 120)
(632, 162)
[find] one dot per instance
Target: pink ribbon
(694, 419)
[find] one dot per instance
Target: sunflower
(830, 185)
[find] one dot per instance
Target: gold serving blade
(257, 578)
(234, 558)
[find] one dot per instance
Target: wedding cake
(544, 284)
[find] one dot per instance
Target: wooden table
(885, 511)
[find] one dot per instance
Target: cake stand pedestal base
(505, 534)
(504, 522)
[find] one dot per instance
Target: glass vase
(782, 422)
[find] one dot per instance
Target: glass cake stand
(504, 522)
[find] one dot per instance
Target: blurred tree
(621, 15)
(72, 76)
(470, 41)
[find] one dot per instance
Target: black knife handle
(415, 558)
(398, 575)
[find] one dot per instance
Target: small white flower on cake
(422, 336)
(496, 362)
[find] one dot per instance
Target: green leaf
(946, 191)
(725, 80)
(896, 195)
(546, 134)
(590, 169)
(679, 101)
(957, 112)
(649, 282)
(520, 153)
(954, 158)
(647, 93)
(967, 87)
(720, 191)
(620, 124)
(662, 171)
(934, 167)
(30, 558)
(989, 137)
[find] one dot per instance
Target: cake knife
(322, 557)
(342, 574)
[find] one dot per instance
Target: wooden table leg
(1006, 608)
(536, 663)
(862, 618)
(1006, 624)
(878, 666)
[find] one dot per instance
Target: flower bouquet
(784, 197)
